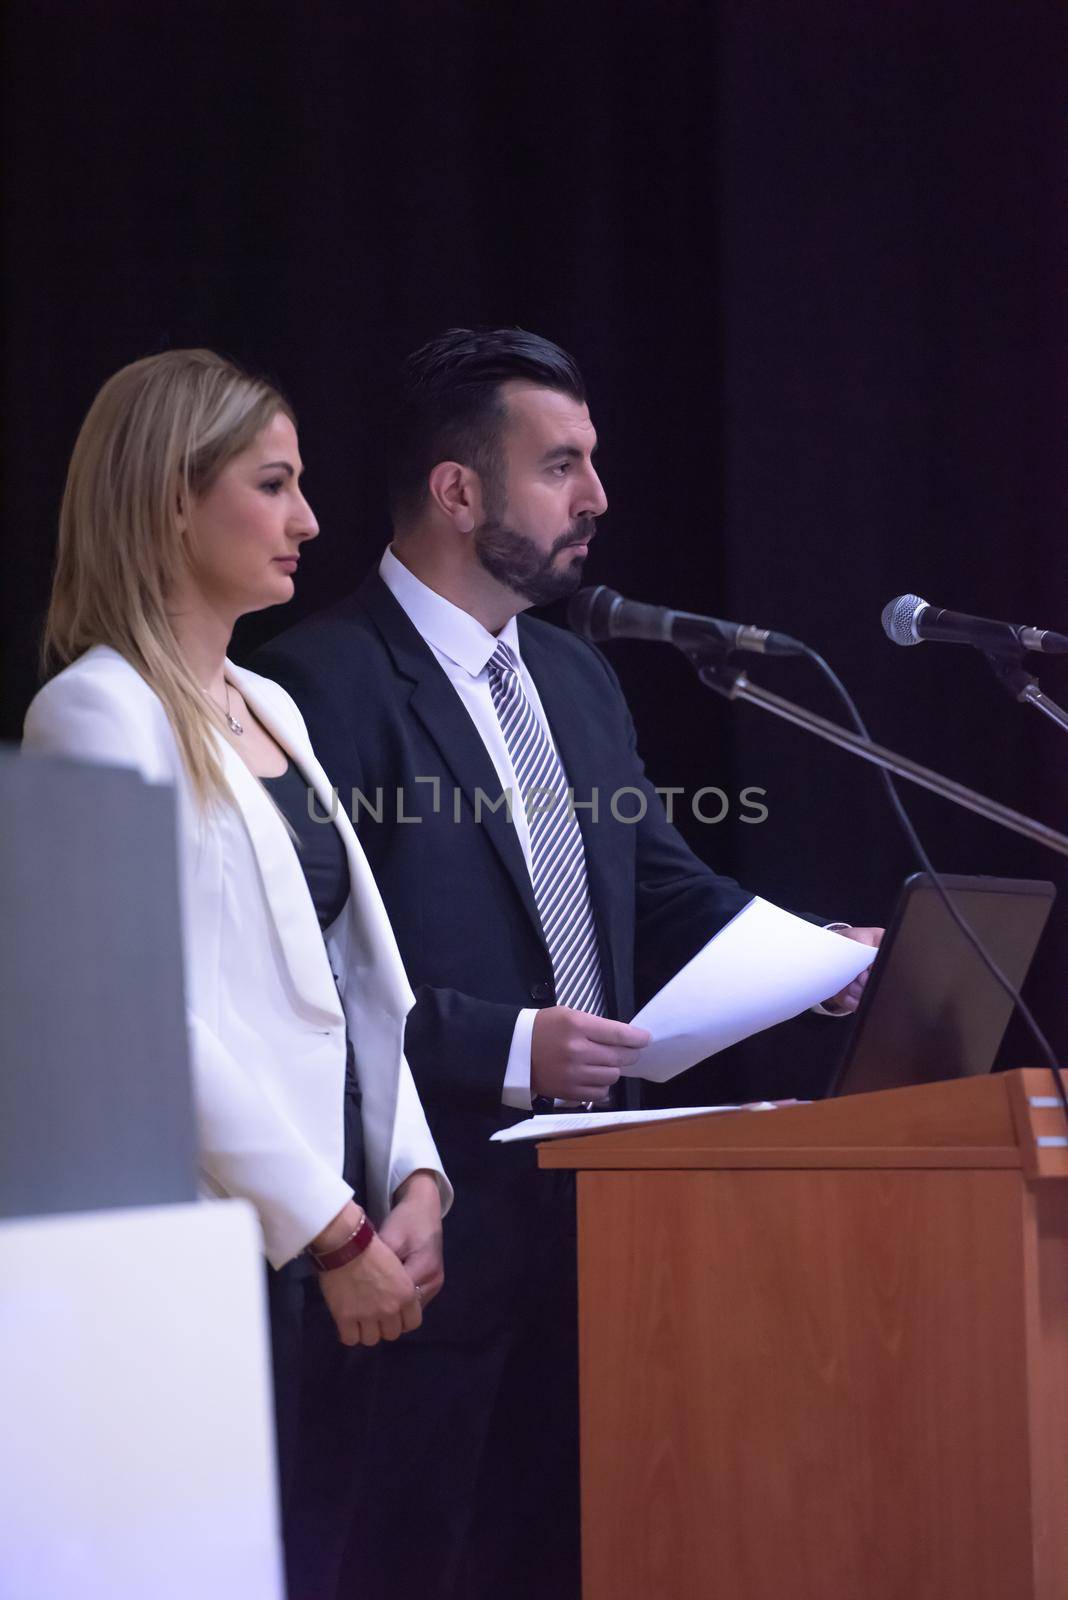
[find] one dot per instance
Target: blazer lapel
(376, 955)
(284, 885)
(437, 705)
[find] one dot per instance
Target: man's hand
(413, 1232)
(848, 999)
(575, 1056)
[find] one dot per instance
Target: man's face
(540, 515)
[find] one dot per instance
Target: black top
(326, 869)
(321, 852)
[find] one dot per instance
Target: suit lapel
(284, 885)
(440, 709)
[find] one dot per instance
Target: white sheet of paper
(766, 965)
(564, 1124)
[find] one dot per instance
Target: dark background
(810, 257)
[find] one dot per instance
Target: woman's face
(247, 529)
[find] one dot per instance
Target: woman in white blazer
(183, 510)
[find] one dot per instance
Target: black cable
(921, 855)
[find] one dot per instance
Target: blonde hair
(158, 434)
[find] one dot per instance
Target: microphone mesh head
(899, 617)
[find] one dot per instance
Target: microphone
(601, 613)
(910, 620)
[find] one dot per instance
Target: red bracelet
(354, 1246)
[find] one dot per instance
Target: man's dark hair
(449, 407)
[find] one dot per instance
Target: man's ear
(456, 490)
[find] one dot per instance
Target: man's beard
(517, 562)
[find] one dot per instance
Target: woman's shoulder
(100, 676)
(103, 667)
(99, 709)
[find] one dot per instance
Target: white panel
(136, 1432)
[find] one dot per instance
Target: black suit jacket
(399, 745)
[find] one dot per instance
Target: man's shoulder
(553, 648)
(345, 623)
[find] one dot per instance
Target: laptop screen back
(931, 1010)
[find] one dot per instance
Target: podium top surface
(1012, 1120)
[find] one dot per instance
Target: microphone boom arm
(1022, 686)
(734, 684)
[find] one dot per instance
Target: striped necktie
(558, 861)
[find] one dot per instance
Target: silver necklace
(232, 722)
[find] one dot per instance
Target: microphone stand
(713, 670)
(1022, 686)
(732, 682)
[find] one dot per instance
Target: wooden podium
(824, 1349)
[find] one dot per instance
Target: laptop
(930, 1009)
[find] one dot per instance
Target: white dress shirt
(462, 648)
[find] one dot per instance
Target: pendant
(234, 725)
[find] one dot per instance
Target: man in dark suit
(538, 895)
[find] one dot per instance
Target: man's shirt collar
(444, 626)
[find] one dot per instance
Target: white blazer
(267, 1020)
